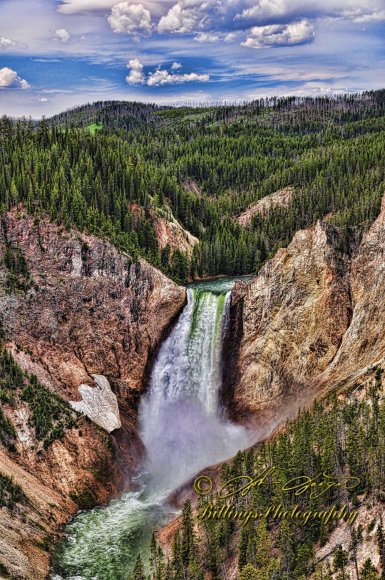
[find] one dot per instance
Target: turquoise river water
(183, 429)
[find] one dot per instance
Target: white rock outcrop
(99, 404)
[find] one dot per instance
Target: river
(183, 428)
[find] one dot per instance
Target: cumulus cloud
(232, 21)
(9, 79)
(188, 15)
(266, 11)
(6, 43)
(163, 77)
(62, 34)
(185, 17)
(280, 35)
(206, 37)
(230, 37)
(160, 76)
(269, 12)
(136, 76)
(134, 19)
(208, 16)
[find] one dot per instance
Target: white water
(183, 429)
(181, 422)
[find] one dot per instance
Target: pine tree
(243, 545)
(188, 541)
(248, 572)
(381, 548)
(369, 571)
(176, 560)
(262, 554)
(340, 560)
(138, 570)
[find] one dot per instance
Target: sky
(57, 54)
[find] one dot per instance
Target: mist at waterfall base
(192, 440)
(183, 429)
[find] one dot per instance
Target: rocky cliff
(170, 233)
(311, 320)
(281, 198)
(74, 313)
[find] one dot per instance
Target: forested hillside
(206, 166)
(328, 459)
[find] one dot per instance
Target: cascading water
(183, 429)
(181, 422)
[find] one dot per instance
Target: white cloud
(62, 34)
(9, 79)
(230, 37)
(206, 37)
(183, 18)
(134, 19)
(269, 11)
(266, 11)
(163, 77)
(280, 35)
(210, 16)
(76, 6)
(370, 17)
(136, 76)
(156, 7)
(160, 76)
(6, 43)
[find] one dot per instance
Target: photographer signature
(243, 484)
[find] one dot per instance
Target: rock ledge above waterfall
(99, 404)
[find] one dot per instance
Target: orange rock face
(170, 233)
(91, 311)
(87, 310)
(281, 198)
(311, 319)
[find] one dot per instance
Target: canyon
(74, 312)
(309, 322)
(89, 316)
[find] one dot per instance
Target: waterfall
(181, 422)
(183, 429)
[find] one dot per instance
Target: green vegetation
(205, 165)
(85, 499)
(340, 438)
(110, 169)
(10, 493)
(94, 127)
(7, 431)
(18, 275)
(50, 415)
(4, 572)
(11, 377)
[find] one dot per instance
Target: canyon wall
(75, 312)
(311, 320)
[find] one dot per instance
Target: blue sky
(55, 54)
